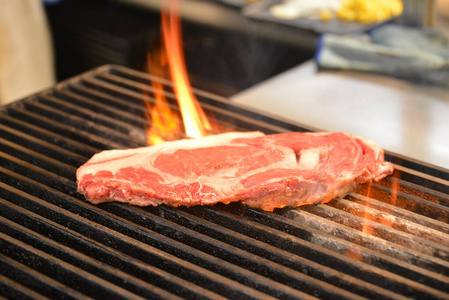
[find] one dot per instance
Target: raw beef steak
(262, 171)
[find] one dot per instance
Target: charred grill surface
(388, 240)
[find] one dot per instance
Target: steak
(262, 171)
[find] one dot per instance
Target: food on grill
(262, 171)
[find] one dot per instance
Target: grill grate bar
(397, 182)
(27, 277)
(65, 130)
(270, 252)
(244, 124)
(139, 250)
(105, 87)
(130, 120)
(40, 146)
(377, 244)
(131, 84)
(30, 171)
(409, 202)
(71, 121)
(134, 107)
(81, 151)
(79, 279)
(271, 228)
(230, 251)
(88, 264)
(230, 254)
(416, 167)
(222, 112)
(382, 231)
(16, 290)
(422, 179)
(22, 153)
(108, 255)
(121, 129)
(399, 212)
(334, 295)
(393, 221)
(34, 189)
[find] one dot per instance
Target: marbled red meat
(262, 171)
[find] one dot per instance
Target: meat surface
(262, 171)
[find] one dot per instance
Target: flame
(369, 218)
(395, 188)
(164, 123)
(393, 199)
(366, 227)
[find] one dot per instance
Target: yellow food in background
(369, 11)
(325, 15)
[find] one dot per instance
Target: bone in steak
(262, 171)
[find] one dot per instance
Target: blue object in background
(417, 54)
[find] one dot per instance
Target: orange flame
(394, 196)
(395, 188)
(366, 227)
(393, 199)
(164, 123)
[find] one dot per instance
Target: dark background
(88, 34)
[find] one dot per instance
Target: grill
(388, 240)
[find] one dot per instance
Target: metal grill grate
(54, 244)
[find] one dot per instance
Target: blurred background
(227, 49)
